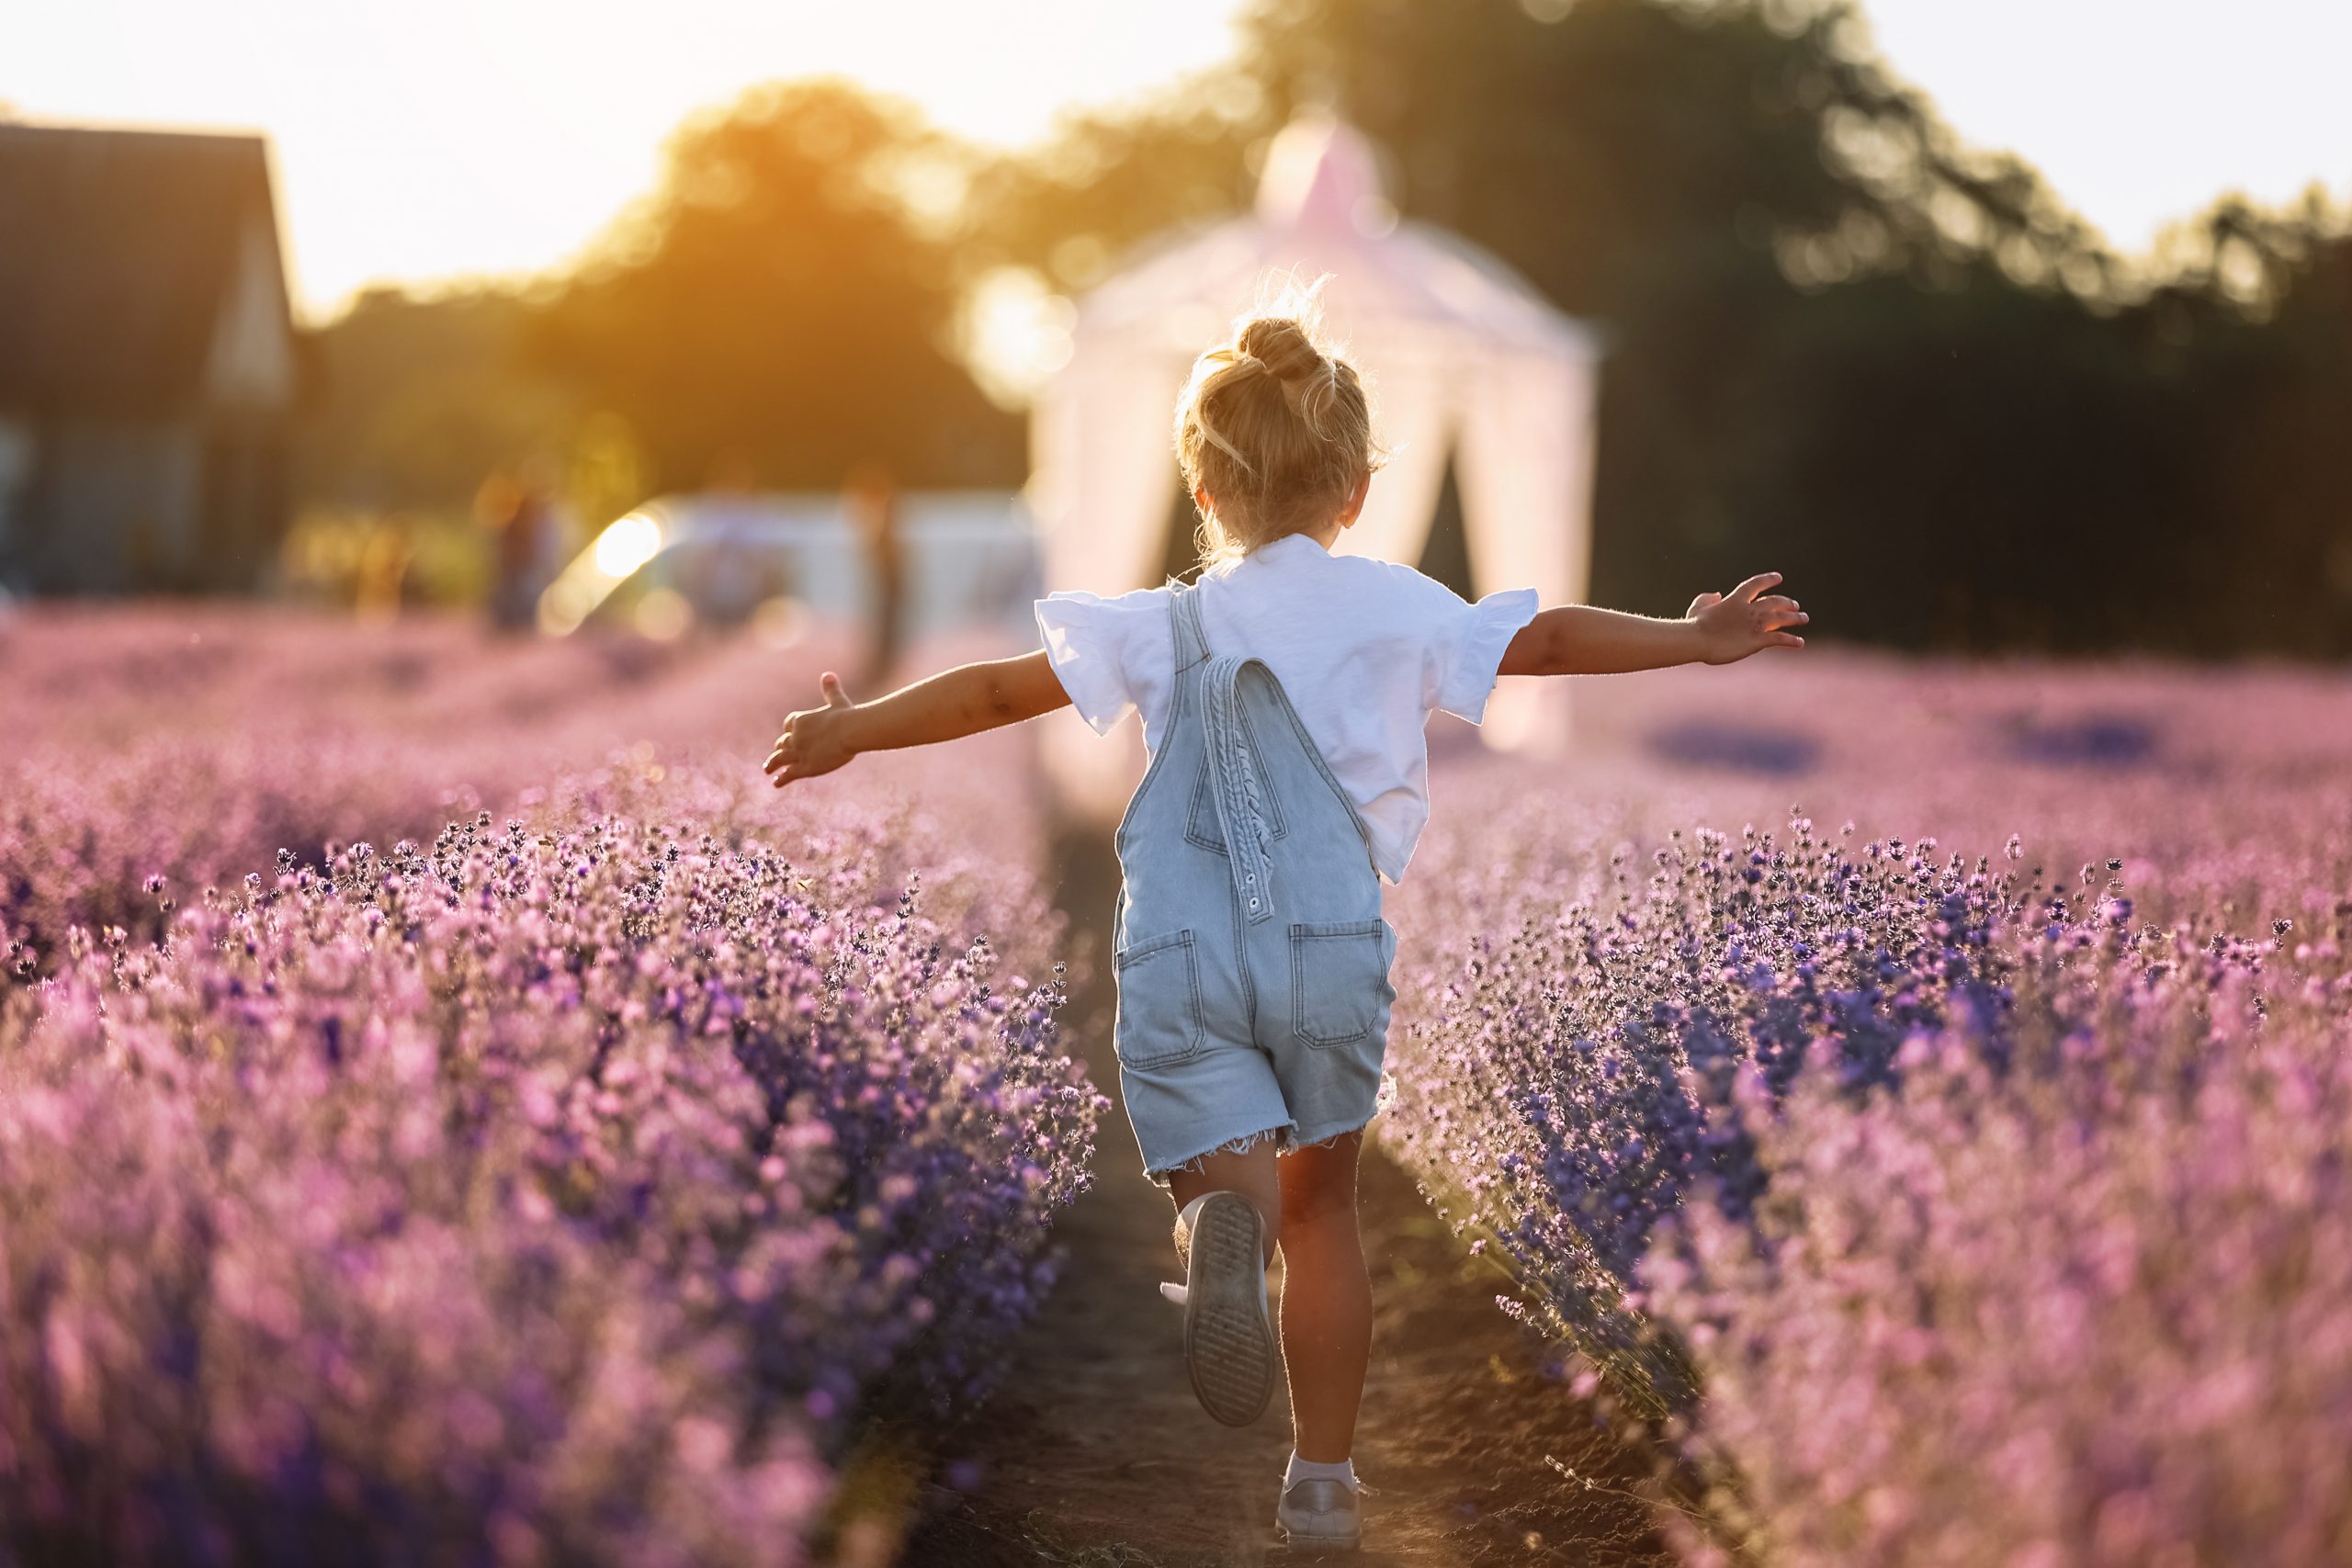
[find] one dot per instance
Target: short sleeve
(1466, 654)
(1097, 647)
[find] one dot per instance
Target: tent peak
(1322, 174)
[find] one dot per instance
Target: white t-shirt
(1365, 649)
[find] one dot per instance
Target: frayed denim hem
(1285, 1140)
(1324, 1140)
(1240, 1145)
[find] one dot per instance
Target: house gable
(121, 253)
(252, 363)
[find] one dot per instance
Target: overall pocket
(1339, 979)
(1159, 1017)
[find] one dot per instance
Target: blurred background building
(148, 362)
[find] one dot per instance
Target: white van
(780, 560)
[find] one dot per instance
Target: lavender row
(556, 1190)
(2087, 1299)
(195, 742)
(1797, 1135)
(1565, 1074)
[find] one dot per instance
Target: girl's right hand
(814, 740)
(1747, 621)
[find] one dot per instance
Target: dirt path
(1096, 1455)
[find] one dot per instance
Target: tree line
(1842, 343)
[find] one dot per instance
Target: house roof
(117, 252)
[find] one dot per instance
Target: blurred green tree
(1072, 206)
(418, 397)
(2255, 325)
(781, 309)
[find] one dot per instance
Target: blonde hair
(1275, 428)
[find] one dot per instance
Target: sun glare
(626, 544)
(1016, 333)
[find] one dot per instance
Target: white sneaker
(1228, 1332)
(1321, 1515)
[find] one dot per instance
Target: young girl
(1283, 697)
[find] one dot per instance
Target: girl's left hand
(1749, 621)
(813, 740)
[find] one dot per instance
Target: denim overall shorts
(1251, 957)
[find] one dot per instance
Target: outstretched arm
(1577, 640)
(948, 706)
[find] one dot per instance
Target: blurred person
(1284, 698)
(16, 477)
(523, 517)
(871, 498)
(379, 583)
(1010, 580)
(731, 575)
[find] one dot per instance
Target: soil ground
(1095, 1454)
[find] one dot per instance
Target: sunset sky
(422, 139)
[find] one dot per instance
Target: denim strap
(1192, 644)
(1240, 796)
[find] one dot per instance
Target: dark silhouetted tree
(1843, 343)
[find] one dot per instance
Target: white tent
(1466, 362)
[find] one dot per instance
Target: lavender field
(441, 1119)
(195, 742)
(449, 1110)
(1924, 1095)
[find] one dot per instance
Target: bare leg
(1250, 1174)
(1327, 1298)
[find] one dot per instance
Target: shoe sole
(1229, 1343)
(1318, 1545)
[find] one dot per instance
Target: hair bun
(1283, 346)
